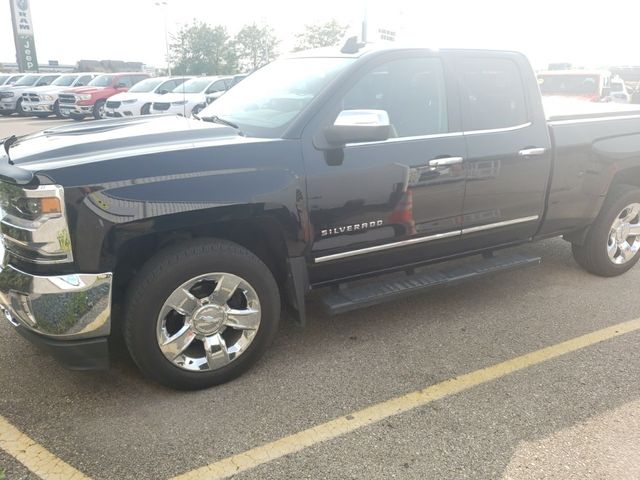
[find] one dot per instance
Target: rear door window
(493, 94)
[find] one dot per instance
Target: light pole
(365, 20)
(163, 4)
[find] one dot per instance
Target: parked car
(8, 79)
(81, 102)
(190, 97)
(592, 85)
(138, 100)
(212, 97)
(11, 96)
(619, 91)
(319, 169)
(43, 101)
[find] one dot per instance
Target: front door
(384, 205)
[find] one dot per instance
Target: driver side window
(411, 91)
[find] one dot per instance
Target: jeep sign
(23, 36)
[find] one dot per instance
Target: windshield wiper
(216, 119)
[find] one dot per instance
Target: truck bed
(563, 109)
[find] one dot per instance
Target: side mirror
(355, 126)
(163, 92)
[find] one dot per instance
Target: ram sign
(23, 36)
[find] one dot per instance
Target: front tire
(98, 110)
(613, 241)
(201, 313)
(19, 109)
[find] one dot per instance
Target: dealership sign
(23, 36)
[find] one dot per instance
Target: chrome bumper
(42, 106)
(67, 109)
(8, 104)
(64, 307)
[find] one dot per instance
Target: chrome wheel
(208, 321)
(624, 236)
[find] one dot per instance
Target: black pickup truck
(319, 170)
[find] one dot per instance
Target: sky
(585, 33)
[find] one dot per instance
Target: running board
(345, 299)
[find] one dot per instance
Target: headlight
(130, 101)
(84, 96)
(34, 225)
(48, 98)
(181, 102)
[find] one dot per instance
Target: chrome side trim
(499, 130)
(506, 223)
(430, 238)
(444, 135)
(594, 119)
(387, 246)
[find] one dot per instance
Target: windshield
(569, 84)
(146, 85)
(267, 101)
(64, 80)
(102, 81)
(195, 85)
(27, 81)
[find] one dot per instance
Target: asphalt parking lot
(492, 402)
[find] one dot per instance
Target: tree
(255, 46)
(201, 49)
(321, 35)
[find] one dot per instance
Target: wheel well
(262, 237)
(628, 176)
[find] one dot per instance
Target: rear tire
(609, 249)
(77, 118)
(56, 110)
(166, 331)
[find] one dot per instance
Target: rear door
(508, 149)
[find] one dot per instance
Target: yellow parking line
(367, 416)
(34, 456)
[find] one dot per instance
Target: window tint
(46, 80)
(218, 86)
(493, 94)
(133, 79)
(124, 80)
(412, 91)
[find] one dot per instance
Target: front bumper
(38, 107)
(69, 315)
(67, 109)
(8, 104)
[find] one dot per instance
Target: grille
(5, 94)
(113, 104)
(67, 98)
(30, 97)
(161, 106)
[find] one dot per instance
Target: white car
(619, 92)
(138, 100)
(191, 96)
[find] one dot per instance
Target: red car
(81, 102)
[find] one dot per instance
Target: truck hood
(46, 89)
(84, 89)
(118, 138)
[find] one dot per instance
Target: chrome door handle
(532, 152)
(445, 162)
